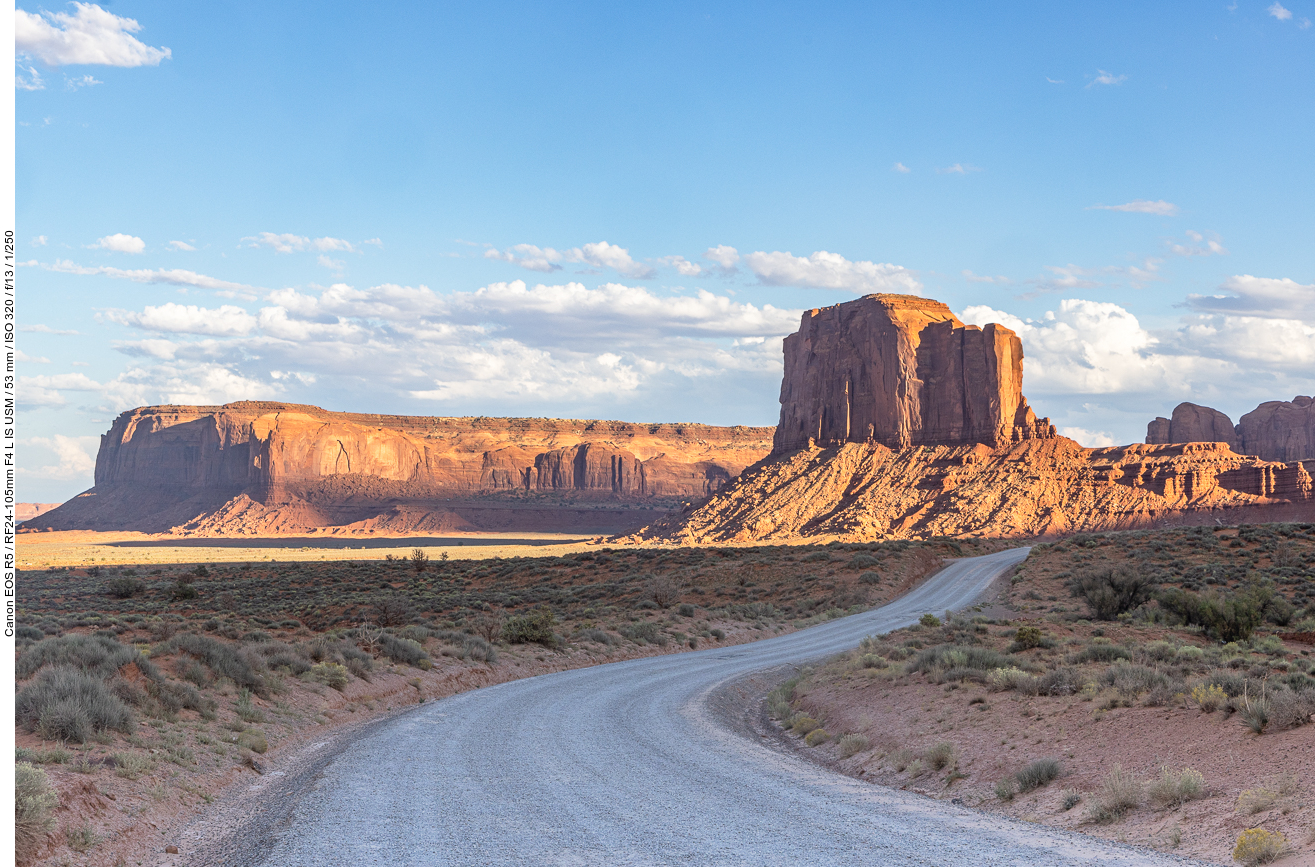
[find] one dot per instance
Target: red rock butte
(902, 371)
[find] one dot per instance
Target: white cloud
(1304, 24)
(901, 168)
(1090, 439)
(39, 241)
(333, 264)
(22, 356)
(1279, 12)
(683, 266)
(44, 329)
(1103, 77)
(181, 245)
(170, 276)
(374, 242)
(823, 270)
(227, 321)
(723, 258)
(119, 243)
(1054, 80)
(32, 83)
(958, 169)
(1281, 298)
(81, 81)
(286, 243)
(1141, 206)
(89, 36)
(75, 456)
(599, 254)
(1200, 246)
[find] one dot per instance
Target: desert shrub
(929, 620)
(97, 655)
(851, 745)
(467, 646)
(1118, 793)
(419, 560)
(644, 632)
(359, 669)
(34, 807)
(1027, 637)
(132, 765)
(81, 838)
(1112, 591)
(863, 561)
(253, 740)
(124, 587)
(1254, 713)
(779, 699)
(181, 590)
(1070, 798)
(917, 768)
(1061, 681)
(1133, 680)
(65, 704)
(1226, 616)
(223, 659)
(661, 591)
(1100, 653)
(1189, 653)
(1258, 846)
(1209, 697)
(174, 696)
(1006, 789)
(330, 674)
(392, 610)
(407, 651)
(1008, 678)
(1037, 774)
(802, 725)
(598, 636)
(872, 660)
(1290, 708)
(1174, 788)
(532, 628)
(950, 656)
(817, 557)
(816, 736)
(1254, 801)
(941, 756)
(869, 578)
(685, 609)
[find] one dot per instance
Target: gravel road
(642, 763)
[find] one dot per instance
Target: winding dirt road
(645, 762)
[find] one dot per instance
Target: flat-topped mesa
(902, 370)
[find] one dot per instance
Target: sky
(618, 211)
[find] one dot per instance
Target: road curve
(625, 764)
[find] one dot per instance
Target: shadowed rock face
(1277, 430)
(900, 370)
(270, 467)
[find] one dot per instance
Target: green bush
(816, 736)
(65, 704)
(929, 620)
(1027, 637)
(1112, 591)
(34, 807)
(330, 674)
(97, 655)
(533, 628)
(124, 587)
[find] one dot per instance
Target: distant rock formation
(1192, 423)
(254, 467)
(1277, 430)
(901, 370)
(28, 511)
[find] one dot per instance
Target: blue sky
(617, 210)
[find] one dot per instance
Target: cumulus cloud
(228, 321)
(181, 245)
(1160, 208)
(1279, 12)
(169, 276)
(44, 329)
(90, 35)
(683, 266)
(119, 243)
(599, 254)
(75, 457)
(1103, 77)
(1088, 438)
(81, 81)
(286, 243)
(823, 270)
(958, 169)
(901, 168)
(724, 259)
(191, 382)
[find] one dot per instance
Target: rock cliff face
(270, 468)
(1277, 430)
(900, 370)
